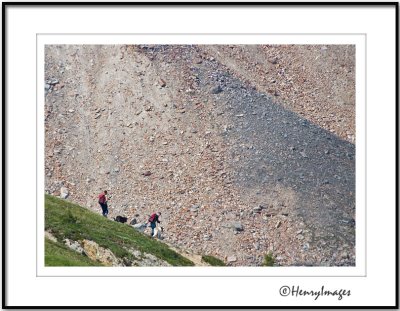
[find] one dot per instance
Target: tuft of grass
(58, 255)
(213, 261)
(269, 260)
(67, 220)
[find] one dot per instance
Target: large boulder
(98, 253)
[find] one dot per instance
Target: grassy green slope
(59, 255)
(213, 261)
(67, 220)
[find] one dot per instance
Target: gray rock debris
(140, 226)
(216, 90)
(237, 226)
(64, 193)
(258, 208)
(195, 208)
(74, 245)
(232, 258)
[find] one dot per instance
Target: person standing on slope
(153, 220)
(103, 202)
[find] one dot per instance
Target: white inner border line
(199, 33)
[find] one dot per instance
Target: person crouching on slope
(153, 220)
(103, 202)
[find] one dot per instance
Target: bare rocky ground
(244, 149)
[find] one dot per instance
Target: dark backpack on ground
(121, 219)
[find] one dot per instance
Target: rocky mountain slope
(244, 149)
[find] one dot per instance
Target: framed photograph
(162, 155)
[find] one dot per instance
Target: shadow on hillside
(279, 147)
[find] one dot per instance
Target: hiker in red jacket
(153, 220)
(103, 202)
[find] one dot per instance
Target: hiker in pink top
(103, 202)
(153, 221)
